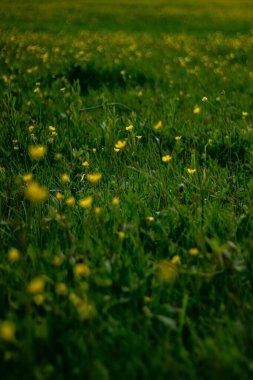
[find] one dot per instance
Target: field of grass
(126, 198)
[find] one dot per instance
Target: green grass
(143, 306)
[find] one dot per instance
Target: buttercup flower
(37, 152)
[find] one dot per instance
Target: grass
(145, 271)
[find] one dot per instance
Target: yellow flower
(193, 251)
(37, 152)
(158, 125)
(196, 109)
(177, 138)
(39, 299)
(61, 289)
(245, 114)
(70, 201)
(86, 310)
(57, 261)
(98, 210)
(82, 270)
(60, 217)
(36, 286)
(94, 150)
(138, 137)
(115, 201)
(120, 144)
(204, 99)
(176, 260)
(123, 72)
(51, 128)
(58, 156)
(150, 218)
(27, 177)
(7, 330)
(59, 196)
(31, 128)
(129, 128)
(13, 254)
(36, 193)
(65, 178)
(166, 158)
(36, 90)
(85, 164)
(191, 171)
(75, 299)
(5, 78)
(166, 271)
(121, 235)
(86, 202)
(94, 178)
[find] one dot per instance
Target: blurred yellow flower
(39, 299)
(82, 270)
(166, 158)
(57, 260)
(98, 210)
(204, 99)
(158, 125)
(36, 285)
(86, 310)
(129, 128)
(27, 177)
(115, 201)
(245, 114)
(58, 156)
(176, 260)
(121, 235)
(61, 289)
(36, 193)
(37, 152)
(191, 171)
(193, 251)
(85, 164)
(86, 202)
(177, 138)
(196, 109)
(65, 177)
(7, 330)
(70, 201)
(150, 218)
(94, 177)
(13, 254)
(59, 196)
(166, 271)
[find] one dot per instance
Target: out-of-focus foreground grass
(126, 214)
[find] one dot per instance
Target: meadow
(126, 197)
